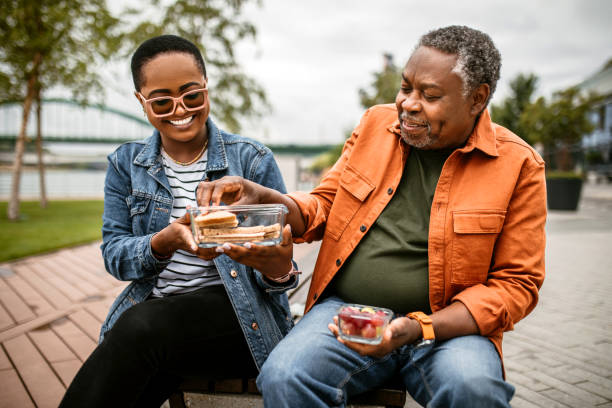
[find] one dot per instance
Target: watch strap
(426, 325)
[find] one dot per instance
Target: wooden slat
(14, 305)
(79, 342)
(36, 323)
(28, 272)
(74, 272)
(5, 364)
(99, 309)
(66, 370)
(32, 298)
(6, 321)
(12, 392)
(42, 384)
(50, 345)
(88, 270)
(87, 323)
(45, 270)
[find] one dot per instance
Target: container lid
(260, 208)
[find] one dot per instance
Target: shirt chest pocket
(137, 206)
(474, 237)
(353, 189)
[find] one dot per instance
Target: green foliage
(61, 224)
(326, 160)
(383, 89)
(385, 85)
(558, 174)
(562, 120)
(69, 38)
(217, 26)
(508, 114)
(559, 123)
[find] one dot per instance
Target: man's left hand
(400, 331)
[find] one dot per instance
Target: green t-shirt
(389, 267)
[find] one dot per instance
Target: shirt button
(362, 228)
(254, 326)
(338, 262)
(233, 273)
(389, 191)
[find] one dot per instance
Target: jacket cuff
(148, 261)
(313, 218)
(270, 286)
(487, 308)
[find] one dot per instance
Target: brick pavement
(561, 354)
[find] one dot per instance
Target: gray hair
(478, 60)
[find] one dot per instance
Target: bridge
(67, 121)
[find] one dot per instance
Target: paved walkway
(52, 306)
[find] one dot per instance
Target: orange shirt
(486, 229)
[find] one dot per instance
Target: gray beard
(421, 142)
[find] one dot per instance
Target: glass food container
(261, 224)
(363, 324)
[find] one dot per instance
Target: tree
(217, 26)
(559, 124)
(46, 43)
(508, 114)
(385, 85)
(383, 89)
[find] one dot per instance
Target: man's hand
(272, 261)
(400, 331)
(230, 190)
(237, 190)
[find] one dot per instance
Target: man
(432, 210)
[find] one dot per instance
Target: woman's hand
(230, 190)
(400, 331)
(178, 235)
(272, 261)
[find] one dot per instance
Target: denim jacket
(137, 204)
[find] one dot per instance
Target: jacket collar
(482, 137)
(217, 157)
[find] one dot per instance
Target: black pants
(157, 343)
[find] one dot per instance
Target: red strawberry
(368, 331)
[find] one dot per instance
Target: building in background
(598, 144)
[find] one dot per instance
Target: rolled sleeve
(517, 271)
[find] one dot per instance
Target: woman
(188, 311)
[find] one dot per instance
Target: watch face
(424, 343)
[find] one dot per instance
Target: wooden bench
(392, 395)
(388, 396)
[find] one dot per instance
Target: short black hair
(478, 60)
(160, 45)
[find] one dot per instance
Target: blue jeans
(310, 368)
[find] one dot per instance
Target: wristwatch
(426, 326)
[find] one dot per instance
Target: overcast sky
(312, 56)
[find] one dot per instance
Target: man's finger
(203, 193)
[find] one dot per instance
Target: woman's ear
(480, 96)
(137, 95)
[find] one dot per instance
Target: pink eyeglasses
(165, 105)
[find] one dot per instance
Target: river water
(82, 184)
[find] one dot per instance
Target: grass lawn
(61, 224)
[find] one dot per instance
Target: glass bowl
(363, 324)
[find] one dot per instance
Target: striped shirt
(185, 272)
